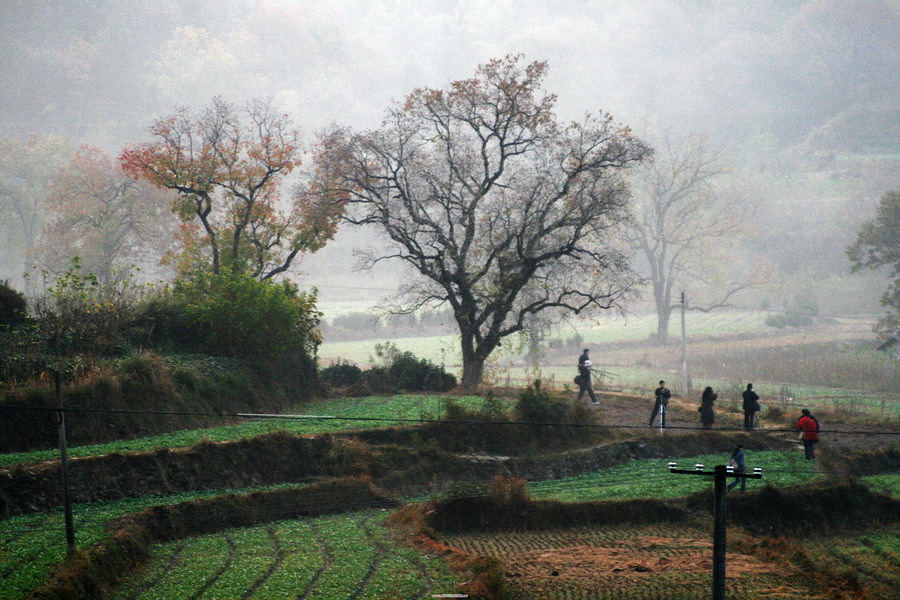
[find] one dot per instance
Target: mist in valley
(795, 104)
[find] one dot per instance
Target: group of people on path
(807, 425)
(750, 406)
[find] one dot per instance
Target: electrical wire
(301, 417)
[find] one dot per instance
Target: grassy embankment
(385, 409)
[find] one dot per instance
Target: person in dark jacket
(662, 400)
(584, 376)
(808, 426)
(707, 414)
(751, 406)
(737, 460)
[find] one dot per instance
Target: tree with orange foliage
(105, 218)
(227, 165)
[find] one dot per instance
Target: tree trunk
(474, 355)
(473, 372)
(663, 310)
(663, 314)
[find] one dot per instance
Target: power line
(307, 417)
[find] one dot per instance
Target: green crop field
(873, 557)
(607, 329)
(30, 545)
(339, 556)
(651, 478)
(384, 409)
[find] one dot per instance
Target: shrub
(798, 313)
(341, 374)
(415, 374)
(776, 320)
(494, 406)
(537, 405)
(13, 308)
(378, 380)
(397, 371)
(403, 371)
(81, 314)
(509, 489)
(454, 411)
(232, 314)
(774, 413)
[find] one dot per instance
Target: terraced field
(874, 558)
(637, 563)
(339, 412)
(31, 545)
(336, 557)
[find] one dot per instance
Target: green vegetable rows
(344, 556)
(392, 407)
(651, 479)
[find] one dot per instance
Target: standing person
(737, 461)
(584, 375)
(808, 426)
(751, 406)
(662, 400)
(707, 414)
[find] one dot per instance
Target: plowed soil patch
(611, 564)
(656, 556)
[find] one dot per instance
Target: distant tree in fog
(101, 215)
(680, 223)
(227, 166)
(878, 245)
(26, 166)
(504, 211)
(842, 54)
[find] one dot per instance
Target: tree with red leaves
(105, 218)
(227, 165)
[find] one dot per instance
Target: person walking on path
(737, 461)
(751, 406)
(662, 401)
(707, 414)
(584, 376)
(808, 426)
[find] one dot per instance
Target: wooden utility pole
(720, 473)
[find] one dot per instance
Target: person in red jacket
(808, 427)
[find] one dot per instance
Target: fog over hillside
(801, 98)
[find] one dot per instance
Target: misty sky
(100, 72)
(346, 60)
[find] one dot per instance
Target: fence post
(719, 539)
(64, 466)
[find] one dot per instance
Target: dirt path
(624, 409)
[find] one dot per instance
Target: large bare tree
(503, 211)
(680, 221)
